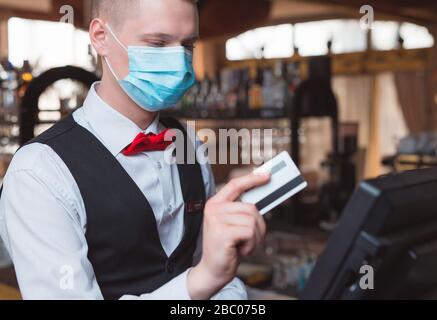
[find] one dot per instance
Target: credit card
(286, 181)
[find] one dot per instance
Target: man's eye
(157, 44)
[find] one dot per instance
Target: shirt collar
(114, 129)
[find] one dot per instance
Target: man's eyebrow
(166, 37)
(157, 35)
(191, 39)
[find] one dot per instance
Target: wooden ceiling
(41, 9)
(419, 11)
(225, 17)
(228, 17)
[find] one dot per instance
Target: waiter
(91, 210)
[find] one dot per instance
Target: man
(91, 210)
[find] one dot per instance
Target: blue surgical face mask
(158, 77)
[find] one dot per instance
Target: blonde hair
(113, 10)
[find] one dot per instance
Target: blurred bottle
(202, 97)
(221, 97)
(26, 77)
(9, 87)
(243, 91)
(3, 79)
(293, 272)
(279, 87)
(293, 79)
(256, 100)
(268, 89)
(230, 84)
(189, 100)
(216, 100)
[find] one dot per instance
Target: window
(268, 42)
(385, 36)
(311, 38)
(346, 35)
(416, 36)
(47, 44)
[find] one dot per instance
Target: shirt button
(169, 268)
(159, 165)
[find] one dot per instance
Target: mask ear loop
(111, 69)
(115, 37)
(121, 44)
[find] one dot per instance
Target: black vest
(124, 246)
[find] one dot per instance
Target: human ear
(99, 37)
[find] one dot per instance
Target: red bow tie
(148, 142)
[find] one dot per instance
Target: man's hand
(231, 230)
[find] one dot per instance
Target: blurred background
(349, 88)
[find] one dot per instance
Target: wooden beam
(87, 12)
(421, 12)
(369, 62)
(373, 154)
(43, 6)
(53, 14)
(209, 58)
(220, 18)
(4, 41)
(432, 81)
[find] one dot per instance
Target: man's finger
(239, 213)
(244, 239)
(234, 189)
(245, 220)
(235, 207)
(240, 220)
(247, 215)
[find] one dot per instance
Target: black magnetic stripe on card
(280, 192)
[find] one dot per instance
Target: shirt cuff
(235, 290)
(176, 289)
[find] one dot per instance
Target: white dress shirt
(43, 219)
